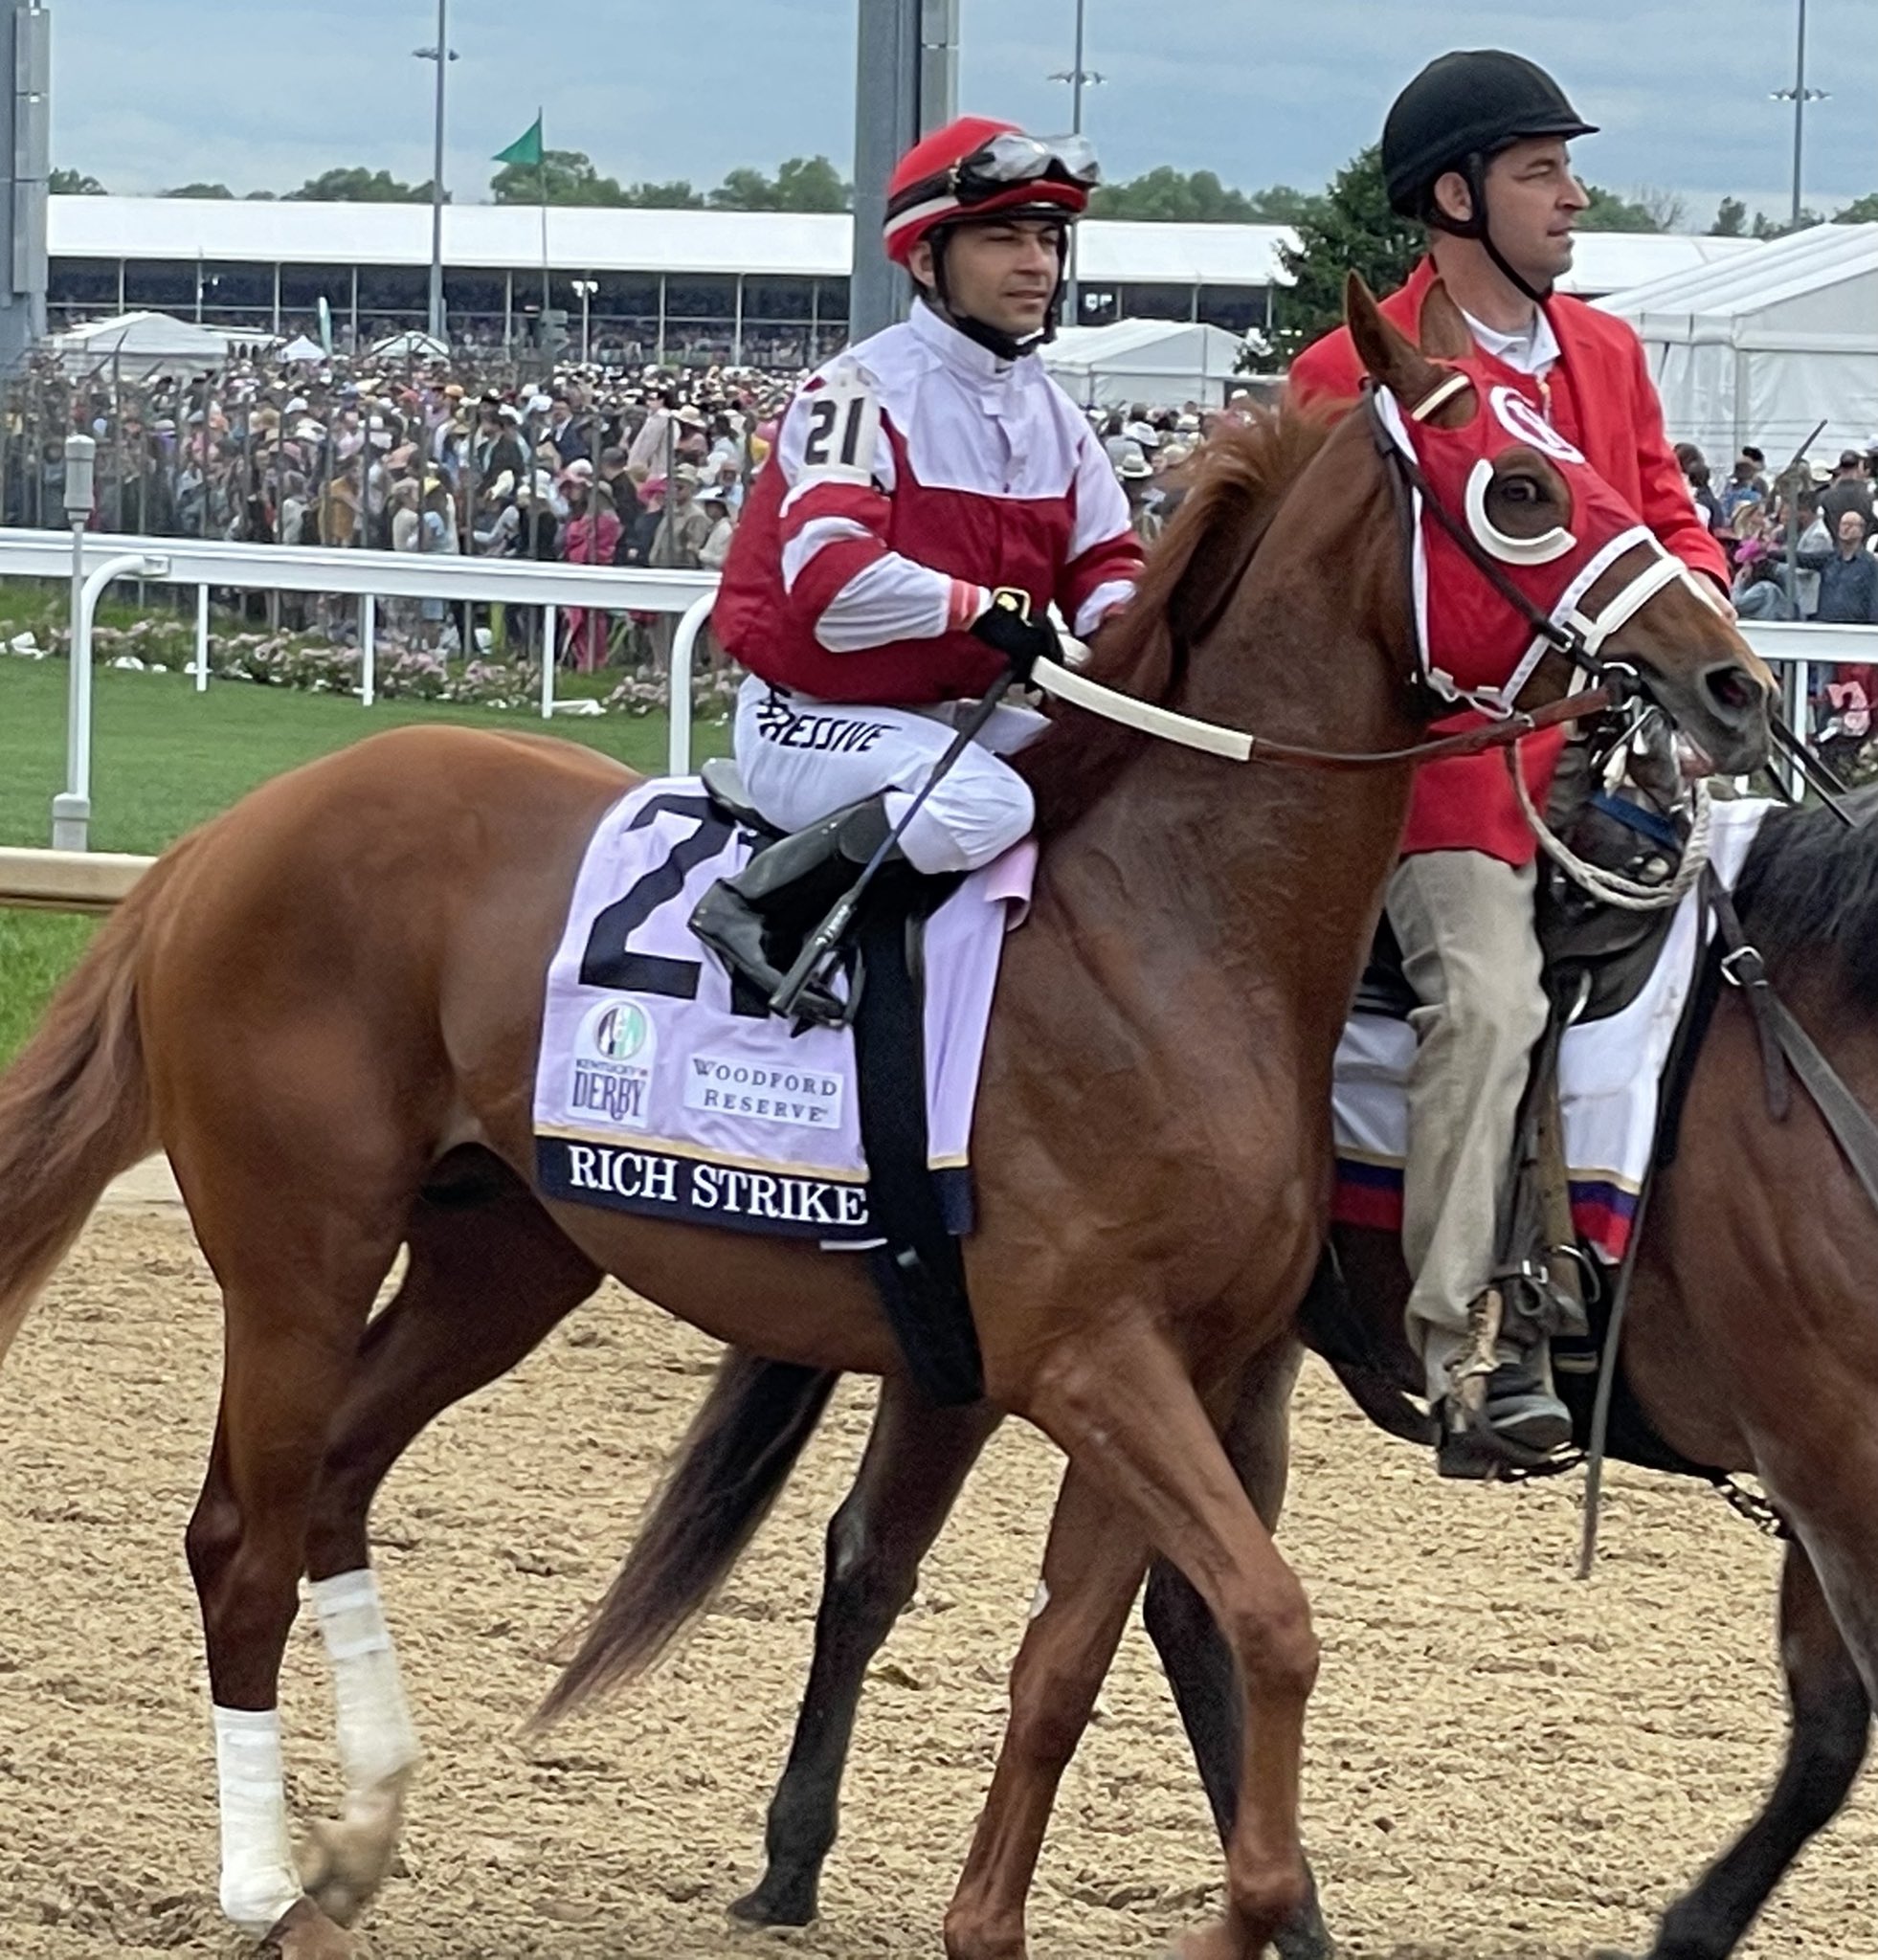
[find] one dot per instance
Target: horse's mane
(1235, 487)
(1810, 884)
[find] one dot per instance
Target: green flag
(524, 150)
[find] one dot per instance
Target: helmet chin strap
(1478, 228)
(993, 339)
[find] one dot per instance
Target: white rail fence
(69, 878)
(209, 564)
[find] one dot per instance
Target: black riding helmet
(1458, 114)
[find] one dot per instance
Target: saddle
(917, 1269)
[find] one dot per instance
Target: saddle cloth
(1610, 1076)
(656, 1095)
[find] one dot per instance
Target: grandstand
(757, 287)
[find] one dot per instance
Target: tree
(1282, 205)
(1351, 228)
(812, 184)
(743, 189)
(214, 190)
(800, 184)
(1862, 210)
(570, 177)
(1765, 227)
(678, 195)
(358, 186)
(1731, 219)
(1165, 195)
(1607, 212)
(74, 184)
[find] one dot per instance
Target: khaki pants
(1471, 951)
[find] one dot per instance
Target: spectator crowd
(1800, 544)
(634, 467)
(643, 467)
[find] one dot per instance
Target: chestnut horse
(325, 1006)
(1749, 1346)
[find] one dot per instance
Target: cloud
(150, 93)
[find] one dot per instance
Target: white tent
(140, 345)
(1161, 361)
(411, 346)
(1764, 346)
(304, 349)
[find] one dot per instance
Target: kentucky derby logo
(617, 1034)
(1518, 417)
(613, 1073)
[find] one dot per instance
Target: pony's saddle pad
(1610, 1074)
(661, 1090)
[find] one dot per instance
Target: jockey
(922, 480)
(1475, 149)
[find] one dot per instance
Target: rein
(1576, 638)
(1238, 744)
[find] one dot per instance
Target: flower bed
(316, 665)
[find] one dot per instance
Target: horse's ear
(1446, 335)
(1389, 357)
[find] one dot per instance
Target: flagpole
(542, 140)
(436, 175)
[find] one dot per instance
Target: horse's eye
(1520, 490)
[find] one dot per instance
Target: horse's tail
(730, 1469)
(74, 1108)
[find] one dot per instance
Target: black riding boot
(785, 892)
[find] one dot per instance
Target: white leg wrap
(376, 1738)
(259, 1880)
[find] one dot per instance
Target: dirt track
(1503, 1763)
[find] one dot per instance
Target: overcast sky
(262, 94)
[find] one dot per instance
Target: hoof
(776, 1902)
(965, 1941)
(344, 1861)
(1301, 1940)
(1304, 1936)
(304, 1932)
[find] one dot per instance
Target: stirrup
(1474, 1445)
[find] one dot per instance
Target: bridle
(1568, 632)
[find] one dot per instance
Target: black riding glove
(1006, 624)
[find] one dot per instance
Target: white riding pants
(803, 758)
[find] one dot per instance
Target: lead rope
(1612, 887)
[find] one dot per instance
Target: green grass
(164, 758)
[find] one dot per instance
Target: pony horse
(325, 1006)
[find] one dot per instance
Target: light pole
(1077, 76)
(1799, 94)
(586, 288)
(72, 812)
(443, 54)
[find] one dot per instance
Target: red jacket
(1600, 396)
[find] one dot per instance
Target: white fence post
(678, 711)
(550, 632)
(367, 648)
(201, 638)
(70, 811)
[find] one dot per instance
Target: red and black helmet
(976, 168)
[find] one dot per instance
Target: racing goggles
(1011, 160)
